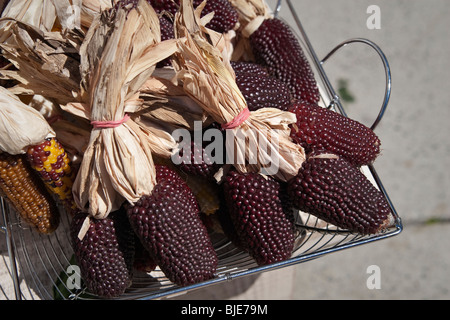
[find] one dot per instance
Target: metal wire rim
(387, 70)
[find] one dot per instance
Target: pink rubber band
(236, 122)
(110, 124)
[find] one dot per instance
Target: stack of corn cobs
(98, 137)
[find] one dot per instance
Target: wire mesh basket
(40, 266)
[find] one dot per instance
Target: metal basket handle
(386, 69)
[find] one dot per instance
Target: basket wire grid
(38, 264)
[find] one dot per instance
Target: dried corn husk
(168, 103)
(206, 75)
(118, 55)
(20, 125)
(46, 15)
(46, 63)
(38, 13)
(158, 134)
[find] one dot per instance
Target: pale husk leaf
(90, 9)
(208, 78)
(159, 133)
(119, 54)
(38, 13)
(21, 126)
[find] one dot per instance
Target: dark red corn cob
(167, 33)
(225, 16)
(260, 223)
(339, 193)
(227, 224)
(199, 162)
(166, 27)
(276, 47)
(169, 226)
(248, 67)
(105, 254)
(319, 128)
(263, 91)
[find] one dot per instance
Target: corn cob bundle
(273, 44)
(332, 189)
(247, 67)
(105, 252)
(206, 75)
(322, 129)
(168, 225)
(120, 51)
(136, 183)
(259, 222)
(26, 193)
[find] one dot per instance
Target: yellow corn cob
(27, 194)
(50, 160)
(206, 192)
